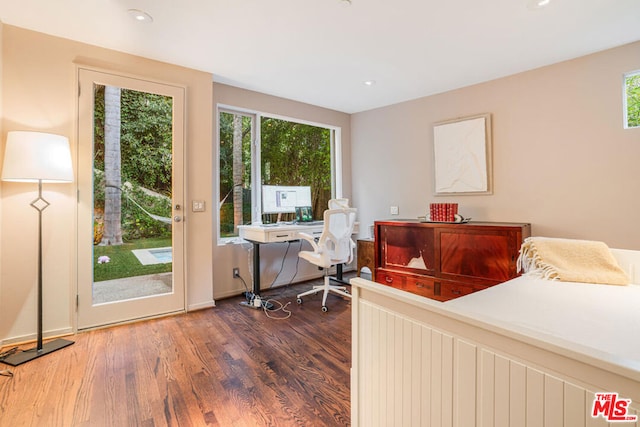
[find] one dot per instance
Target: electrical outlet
(236, 272)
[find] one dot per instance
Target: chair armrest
(353, 246)
(309, 238)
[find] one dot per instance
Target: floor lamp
(37, 157)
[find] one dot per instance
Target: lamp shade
(37, 156)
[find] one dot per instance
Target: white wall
(561, 158)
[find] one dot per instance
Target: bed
(528, 352)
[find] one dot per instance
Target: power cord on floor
(8, 353)
(267, 305)
(273, 309)
(4, 355)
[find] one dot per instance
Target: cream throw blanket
(570, 261)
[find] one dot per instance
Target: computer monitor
(284, 199)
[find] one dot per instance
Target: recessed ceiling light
(369, 82)
(345, 3)
(140, 15)
(537, 4)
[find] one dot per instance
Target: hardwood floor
(226, 366)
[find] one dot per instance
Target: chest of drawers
(443, 261)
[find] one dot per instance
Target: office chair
(334, 246)
(338, 203)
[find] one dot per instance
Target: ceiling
(322, 51)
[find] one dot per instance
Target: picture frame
(462, 150)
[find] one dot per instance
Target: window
(286, 152)
(632, 100)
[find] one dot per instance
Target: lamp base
(33, 353)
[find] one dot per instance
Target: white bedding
(602, 320)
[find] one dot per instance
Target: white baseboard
(23, 339)
(201, 305)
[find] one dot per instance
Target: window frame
(335, 142)
(625, 97)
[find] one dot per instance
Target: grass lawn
(123, 263)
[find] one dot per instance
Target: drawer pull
(455, 291)
(420, 285)
(388, 279)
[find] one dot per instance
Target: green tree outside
(291, 154)
(226, 124)
(633, 100)
(146, 160)
(297, 154)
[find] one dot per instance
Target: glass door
(130, 199)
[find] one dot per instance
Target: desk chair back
(339, 204)
(335, 240)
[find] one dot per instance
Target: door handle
(177, 218)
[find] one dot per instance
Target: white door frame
(89, 315)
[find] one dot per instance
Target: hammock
(159, 218)
(156, 217)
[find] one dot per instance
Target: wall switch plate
(197, 206)
(394, 210)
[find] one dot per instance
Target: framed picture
(462, 156)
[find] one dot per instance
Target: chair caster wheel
(324, 308)
(299, 300)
